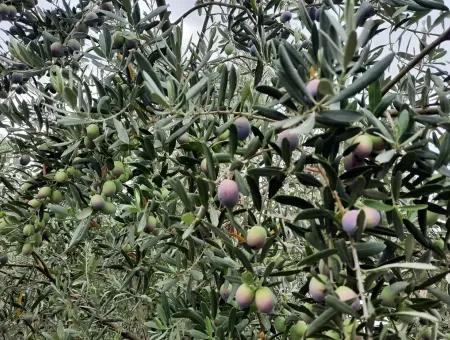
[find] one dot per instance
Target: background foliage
(111, 92)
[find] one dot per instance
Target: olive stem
(360, 282)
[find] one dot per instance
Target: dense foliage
(286, 176)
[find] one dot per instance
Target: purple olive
(313, 87)
(243, 127)
(291, 136)
(350, 221)
(286, 16)
(351, 161)
(228, 193)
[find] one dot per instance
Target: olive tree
(282, 175)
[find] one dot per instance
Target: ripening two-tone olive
(372, 218)
(118, 169)
(291, 136)
(57, 49)
(97, 202)
(256, 237)
(44, 192)
(244, 296)
(265, 300)
(109, 188)
(347, 294)
(318, 287)
(151, 224)
(225, 290)
(364, 145)
(352, 161)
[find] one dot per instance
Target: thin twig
(444, 36)
(362, 292)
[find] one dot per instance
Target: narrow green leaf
(365, 79)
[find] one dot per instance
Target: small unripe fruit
(244, 296)
(204, 166)
(3, 11)
(82, 28)
(364, 147)
(253, 50)
(350, 221)
(57, 196)
(109, 208)
(27, 249)
(61, 176)
(25, 160)
(372, 217)
(347, 294)
(91, 19)
(3, 259)
(16, 78)
(313, 87)
(34, 203)
(229, 49)
(265, 300)
(243, 127)
(351, 161)
(151, 224)
(228, 193)
(256, 237)
(388, 297)
(118, 40)
(109, 188)
(298, 331)
(28, 230)
(12, 11)
(286, 16)
(57, 49)
(317, 288)
(44, 192)
(97, 202)
(225, 291)
(118, 169)
(73, 45)
(280, 324)
(92, 131)
(291, 136)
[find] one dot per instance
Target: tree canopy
(282, 175)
